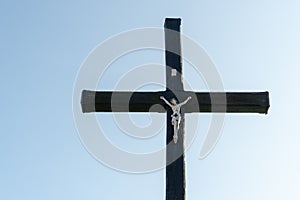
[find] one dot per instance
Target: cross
(245, 102)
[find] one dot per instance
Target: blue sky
(254, 44)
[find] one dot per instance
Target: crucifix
(175, 102)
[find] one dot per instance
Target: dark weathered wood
(232, 102)
(237, 102)
(173, 54)
(175, 169)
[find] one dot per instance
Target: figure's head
(173, 101)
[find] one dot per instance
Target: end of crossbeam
(88, 101)
(267, 102)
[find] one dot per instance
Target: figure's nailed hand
(161, 97)
(189, 98)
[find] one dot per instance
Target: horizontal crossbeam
(236, 102)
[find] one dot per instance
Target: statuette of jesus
(176, 117)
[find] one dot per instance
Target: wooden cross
(245, 102)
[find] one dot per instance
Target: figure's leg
(173, 121)
(178, 122)
(175, 136)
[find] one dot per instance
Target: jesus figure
(176, 117)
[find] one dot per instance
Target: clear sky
(255, 46)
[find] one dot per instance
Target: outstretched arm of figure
(181, 104)
(161, 97)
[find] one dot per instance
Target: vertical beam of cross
(175, 171)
